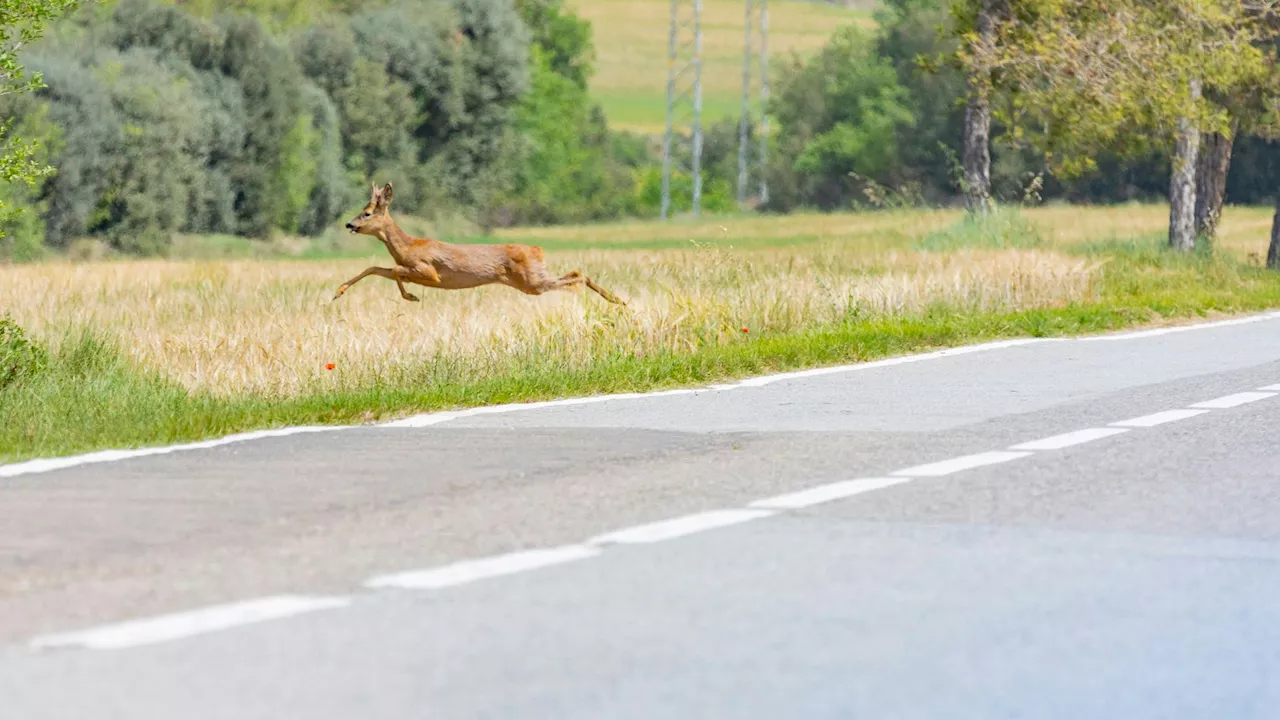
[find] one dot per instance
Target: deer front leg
(388, 273)
(400, 276)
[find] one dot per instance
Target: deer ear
(387, 194)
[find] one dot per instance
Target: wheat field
(270, 327)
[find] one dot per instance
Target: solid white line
(429, 419)
(186, 624)
(678, 527)
(48, 464)
(1159, 418)
(1182, 328)
(888, 362)
(467, 571)
(826, 493)
(435, 418)
(1236, 400)
(1065, 440)
(1275, 388)
(967, 462)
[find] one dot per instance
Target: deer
(446, 266)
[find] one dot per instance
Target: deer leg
(390, 274)
(567, 281)
(575, 278)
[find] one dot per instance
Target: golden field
(270, 327)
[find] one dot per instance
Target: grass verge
(91, 395)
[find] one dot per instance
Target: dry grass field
(270, 328)
(146, 351)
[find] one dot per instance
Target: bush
(20, 357)
(839, 115)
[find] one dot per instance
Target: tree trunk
(977, 153)
(977, 124)
(1211, 179)
(1182, 186)
(1273, 252)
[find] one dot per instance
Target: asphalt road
(1047, 530)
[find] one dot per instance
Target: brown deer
(436, 264)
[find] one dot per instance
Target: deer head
(376, 216)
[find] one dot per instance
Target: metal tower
(684, 98)
(751, 165)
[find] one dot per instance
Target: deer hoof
(411, 298)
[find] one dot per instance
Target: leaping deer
(446, 266)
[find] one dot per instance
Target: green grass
(89, 397)
(1001, 230)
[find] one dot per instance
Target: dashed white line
(1065, 440)
(1236, 400)
(467, 571)
(826, 493)
(1160, 418)
(164, 628)
(966, 462)
(1271, 388)
(678, 527)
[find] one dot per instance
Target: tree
(1092, 75)
(987, 15)
(21, 23)
(838, 117)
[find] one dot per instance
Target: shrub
(19, 356)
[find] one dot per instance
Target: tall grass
(143, 352)
(271, 328)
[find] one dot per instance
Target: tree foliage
(22, 22)
(1087, 76)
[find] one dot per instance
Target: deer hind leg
(575, 278)
(398, 274)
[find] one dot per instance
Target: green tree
(839, 116)
(21, 23)
(563, 38)
(1089, 75)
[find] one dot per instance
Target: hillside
(631, 51)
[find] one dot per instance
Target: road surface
(1081, 528)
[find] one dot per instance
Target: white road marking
(888, 362)
(467, 571)
(966, 462)
(1271, 388)
(678, 527)
(164, 628)
(1160, 418)
(1236, 400)
(1065, 440)
(435, 418)
(1182, 328)
(48, 464)
(429, 419)
(826, 493)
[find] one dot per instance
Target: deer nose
(350, 226)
